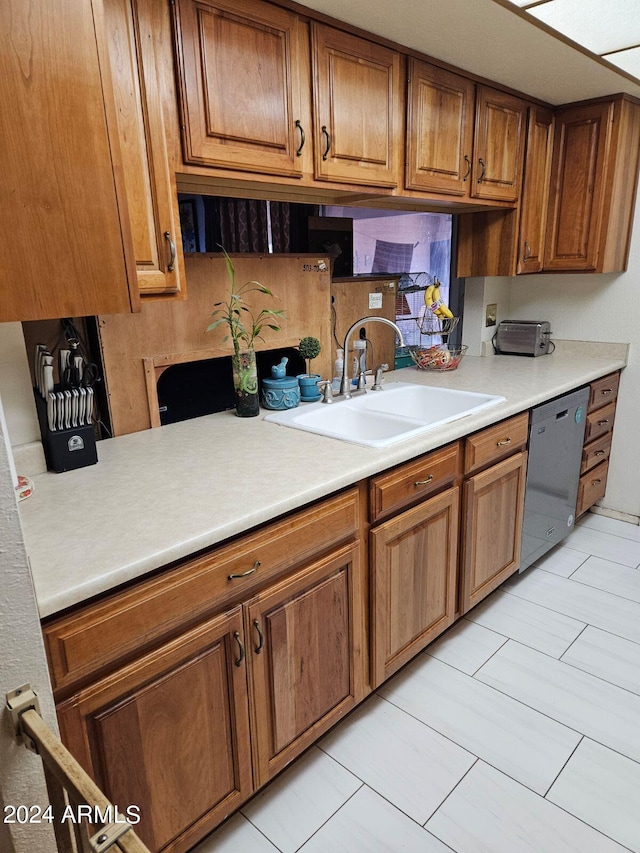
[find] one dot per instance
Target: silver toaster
(523, 337)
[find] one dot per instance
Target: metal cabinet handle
(424, 482)
(260, 645)
(599, 453)
(236, 637)
(468, 172)
(503, 443)
(596, 482)
(484, 167)
(527, 251)
(607, 391)
(302, 138)
(603, 423)
(172, 249)
(326, 150)
(246, 574)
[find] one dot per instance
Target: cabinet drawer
(600, 422)
(404, 484)
(595, 452)
(603, 391)
(495, 443)
(592, 487)
(84, 642)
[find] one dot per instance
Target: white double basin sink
(399, 411)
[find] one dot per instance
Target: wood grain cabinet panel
(238, 65)
(494, 443)
(65, 240)
(413, 481)
(170, 733)
(592, 487)
(492, 528)
(577, 186)
(498, 145)
(600, 421)
(414, 573)
(306, 640)
(150, 184)
(535, 190)
(604, 391)
(357, 109)
(440, 110)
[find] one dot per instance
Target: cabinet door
(238, 66)
(439, 130)
(306, 656)
(64, 236)
(151, 191)
(414, 560)
(535, 190)
(498, 145)
(170, 733)
(357, 109)
(492, 525)
(578, 179)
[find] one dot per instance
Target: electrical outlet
(492, 314)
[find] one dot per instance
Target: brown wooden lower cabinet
(304, 648)
(170, 733)
(414, 572)
(493, 504)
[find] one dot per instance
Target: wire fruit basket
(439, 357)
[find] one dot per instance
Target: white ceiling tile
(597, 25)
(628, 60)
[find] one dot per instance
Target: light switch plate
(492, 314)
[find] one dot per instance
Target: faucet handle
(326, 388)
(377, 382)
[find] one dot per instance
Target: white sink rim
(317, 417)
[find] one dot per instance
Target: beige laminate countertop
(160, 495)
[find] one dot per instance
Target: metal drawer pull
(325, 153)
(424, 482)
(236, 637)
(527, 251)
(172, 249)
(468, 172)
(484, 167)
(596, 482)
(246, 574)
(302, 137)
(260, 645)
(599, 453)
(607, 391)
(603, 423)
(503, 443)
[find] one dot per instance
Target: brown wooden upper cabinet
(535, 190)
(460, 144)
(440, 109)
(64, 233)
(238, 66)
(357, 109)
(498, 145)
(149, 181)
(593, 183)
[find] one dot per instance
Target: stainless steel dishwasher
(556, 434)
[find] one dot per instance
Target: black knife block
(65, 449)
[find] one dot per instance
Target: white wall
(22, 659)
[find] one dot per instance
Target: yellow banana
(436, 293)
(446, 312)
(428, 296)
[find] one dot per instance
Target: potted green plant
(244, 327)
(309, 348)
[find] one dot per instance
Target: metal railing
(72, 792)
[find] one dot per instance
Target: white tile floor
(518, 731)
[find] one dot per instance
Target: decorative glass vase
(245, 383)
